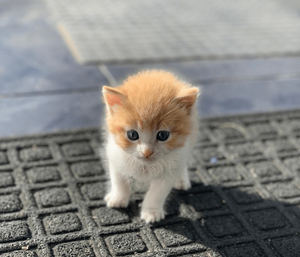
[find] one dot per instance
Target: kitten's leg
(120, 190)
(152, 207)
(183, 182)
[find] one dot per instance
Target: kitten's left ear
(187, 97)
(113, 98)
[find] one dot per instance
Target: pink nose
(147, 153)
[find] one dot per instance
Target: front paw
(183, 184)
(152, 215)
(116, 201)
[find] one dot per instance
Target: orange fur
(150, 100)
(148, 153)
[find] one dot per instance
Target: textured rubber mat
(104, 31)
(245, 199)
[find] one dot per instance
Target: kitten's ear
(187, 97)
(113, 98)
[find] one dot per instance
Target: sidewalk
(245, 170)
(38, 73)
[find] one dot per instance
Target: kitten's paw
(152, 215)
(183, 184)
(116, 201)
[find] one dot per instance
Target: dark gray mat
(134, 30)
(245, 199)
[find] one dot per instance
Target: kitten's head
(149, 115)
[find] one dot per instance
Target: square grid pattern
(136, 31)
(245, 198)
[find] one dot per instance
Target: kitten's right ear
(113, 98)
(187, 97)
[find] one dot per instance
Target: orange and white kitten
(152, 125)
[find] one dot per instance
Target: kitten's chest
(144, 172)
(139, 171)
(138, 185)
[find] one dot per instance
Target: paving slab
(232, 86)
(248, 96)
(49, 113)
(33, 57)
(244, 200)
(61, 111)
(215, 71)
(138, 31)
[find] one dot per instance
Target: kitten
(152, 124)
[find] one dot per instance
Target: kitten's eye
(132, 135)
(162, 135)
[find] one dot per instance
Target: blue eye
(162, 135)
(132, 135)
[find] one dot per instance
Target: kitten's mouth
(146, 159)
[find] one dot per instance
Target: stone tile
(49, 113)
(236, 34)
(248, 96)
(220, 96)
(43, 63)
(204, 71)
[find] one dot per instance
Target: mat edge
(97, 129)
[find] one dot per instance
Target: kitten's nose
(147, 153)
